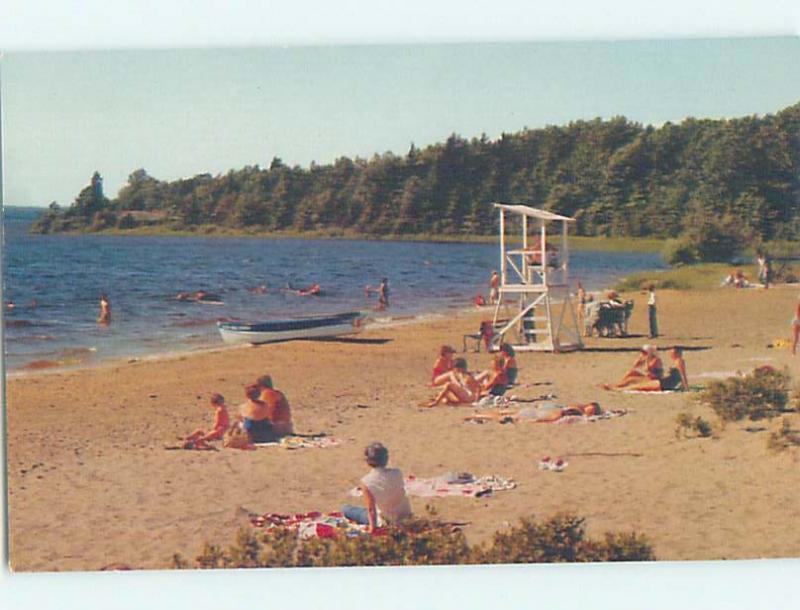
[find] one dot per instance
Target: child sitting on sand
(200, 438)
(461, 388)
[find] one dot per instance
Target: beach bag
(236, 438)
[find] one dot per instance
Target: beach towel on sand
(513, 416)
(692, 388)
(461, 484)
(303, 442)
(313, 524)
(316, 524)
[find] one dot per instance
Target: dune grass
(688, 277)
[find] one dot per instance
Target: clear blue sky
(178, 113)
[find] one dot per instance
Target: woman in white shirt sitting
(384, 491)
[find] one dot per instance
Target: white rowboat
(311, 327)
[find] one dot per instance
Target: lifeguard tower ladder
(534, 278)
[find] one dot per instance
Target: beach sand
(90, 482)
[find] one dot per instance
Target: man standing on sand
(494, 288)
(651, 311)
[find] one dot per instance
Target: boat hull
(314, 327)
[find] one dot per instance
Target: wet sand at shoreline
(90, 482)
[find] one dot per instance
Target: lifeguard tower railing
(534, 275)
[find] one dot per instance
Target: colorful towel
(316, 524)
(313, 524)
(461, 484)
(303, 442)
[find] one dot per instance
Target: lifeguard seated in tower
(533, 253)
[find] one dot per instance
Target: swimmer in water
(383, 294)
(310, 291)
(199, 296)
(105, 310)
(262, 289)
(10, 305)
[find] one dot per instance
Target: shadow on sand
(635, 349)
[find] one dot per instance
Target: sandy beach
(90, 482)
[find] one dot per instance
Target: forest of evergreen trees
(616, 177)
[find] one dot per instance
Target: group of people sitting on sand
(264, 417)
(459, 387)
(647, 373)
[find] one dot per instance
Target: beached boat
(310, 327)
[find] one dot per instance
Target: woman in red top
(654, 369)
(462, 388)
(443, 366)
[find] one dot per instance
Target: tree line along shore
(737, 180)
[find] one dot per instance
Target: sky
(27, 25)
(178, 113)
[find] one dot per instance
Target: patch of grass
(687, 277)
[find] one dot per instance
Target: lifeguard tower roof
(527, 210)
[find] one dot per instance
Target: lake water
(142, 274)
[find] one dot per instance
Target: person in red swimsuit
(653, 369)
(200, 438)
(443, 366)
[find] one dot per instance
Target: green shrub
(761, 394)
(425, 542)
(686, 425)
(127, 221)
(715, 241)
(679, 252)
(784, 438)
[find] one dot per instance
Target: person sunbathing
(543, 413)
(494, 382)
(279, 412)
(200, 438)
(795, 329)
(255, 416)
(674, 380)
(443, 366)
(653, 369)
(462, 388)
(384, 493)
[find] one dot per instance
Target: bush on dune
(560, 539)
(764, 393)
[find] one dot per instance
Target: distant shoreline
(602, 244)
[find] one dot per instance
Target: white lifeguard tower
(534, 281)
